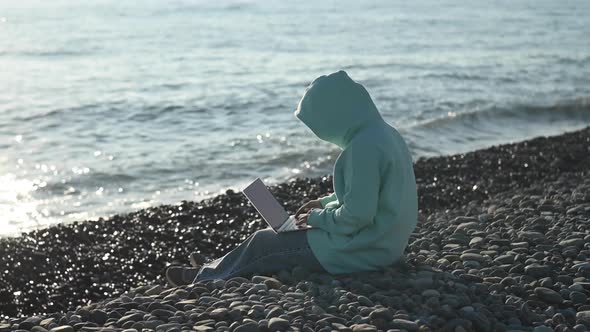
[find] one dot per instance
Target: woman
(364, 225)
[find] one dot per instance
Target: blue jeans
(264, 252)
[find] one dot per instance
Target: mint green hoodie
(365, 224)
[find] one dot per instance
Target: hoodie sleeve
(328, 199)
(359, 204)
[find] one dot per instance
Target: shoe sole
(173, 284)
(194, 262)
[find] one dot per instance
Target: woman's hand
(301, 221)
(305, 208)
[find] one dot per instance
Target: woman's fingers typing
(305, 208)
(301, 220)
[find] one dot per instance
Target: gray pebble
(63, 328)
(578, 297)
(472, 257)
(363, 328)
(247, 327)
(576, 242)
(504, 259)
(405, 324)
(381, 313)
(548, 295)
(536, 270)
(275, 312)
(278, 324)
(38, 329)
(583, 316)
(219, 313)
(130, 318)
(363, 300)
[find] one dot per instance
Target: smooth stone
(274, 312)
(578, 297)
(467, 226)
(583, 316)
(219, 313)
(504, 259)
(28, 323)
(581, 266)
(262, 324)
(476, 241)
(167, 327)
(404, 324)
(363, 300)
(130, 318)
(548, 295)
(38, 329)
(472, 257)
(298, 296)
(471, 264)
(203, 328)
(63, 328)
(500, 242)
(296, 312)
(247, 327)
(536, 270)
(530, 235)
(46, 322)
(577, 242)
(272, 283)
(381, 313)
(278, 324)
(423, 282)
(363, 328)
(162, 313)
(431, 293)
(341, 327)
(156, 290)
(543, 328)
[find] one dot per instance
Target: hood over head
(335, 107)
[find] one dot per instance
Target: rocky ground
(502, 244)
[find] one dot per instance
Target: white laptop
(271, 211)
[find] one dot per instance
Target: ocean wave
(574, 109)
(450, 76)
(58, 112)
(574, 60)
(88, 182)
(467, 131)
(48, 53)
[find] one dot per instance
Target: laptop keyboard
(289, 225)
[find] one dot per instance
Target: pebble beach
(502, 244)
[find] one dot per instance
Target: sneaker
(197, 259)
(178, 275)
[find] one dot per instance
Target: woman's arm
(328, 199)
(359, 204)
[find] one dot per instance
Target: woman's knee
(264, 234)
(264, 238)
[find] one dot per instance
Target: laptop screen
(266, 204)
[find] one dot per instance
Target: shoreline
(111, 256)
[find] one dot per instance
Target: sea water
(111, 106)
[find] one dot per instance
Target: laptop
(269, 208)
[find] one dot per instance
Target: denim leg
(263, 252)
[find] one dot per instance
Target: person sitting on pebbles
(364, 225)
